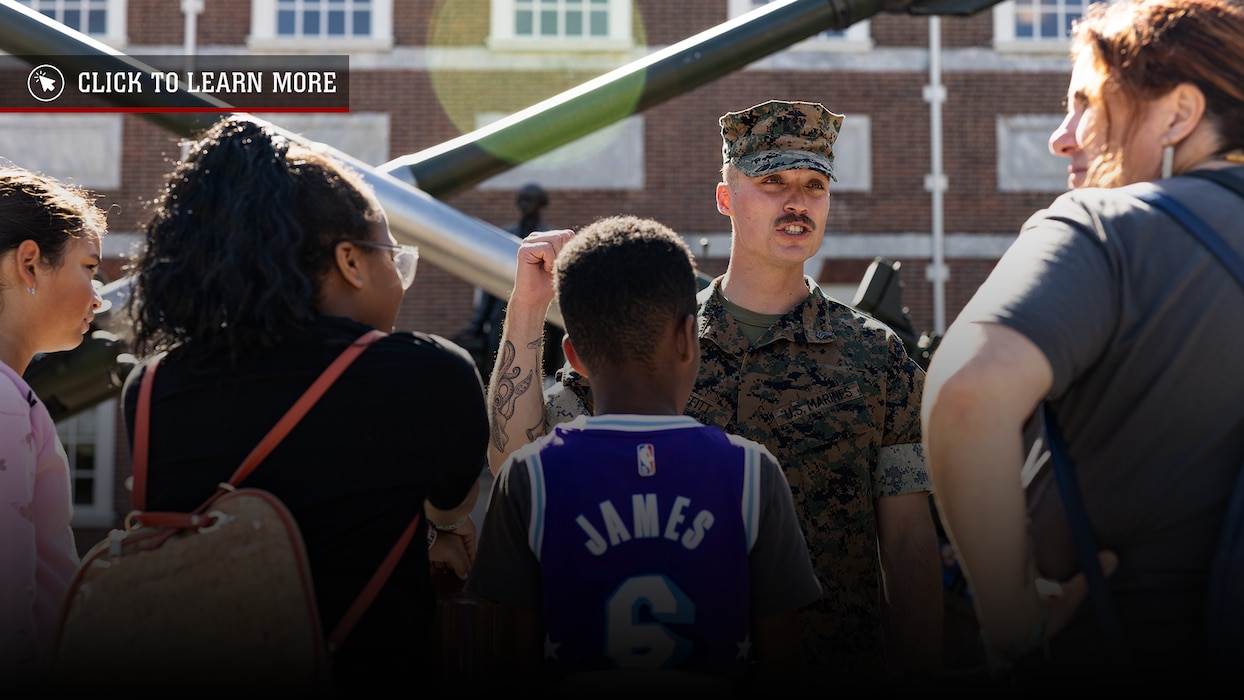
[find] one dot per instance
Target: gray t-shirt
(1143, 329)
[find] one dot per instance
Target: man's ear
(723, 198)
(573, 357)
(348, 259)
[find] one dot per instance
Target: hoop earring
(1168, 160)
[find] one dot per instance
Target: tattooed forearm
(506, 389)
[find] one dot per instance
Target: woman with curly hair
(264, 260)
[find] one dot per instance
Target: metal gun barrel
(463, 162)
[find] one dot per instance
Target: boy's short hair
(619, 282)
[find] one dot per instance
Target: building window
(84, 149)
(853, 155)
(323, 19)
(1025, 163)
(362, 135)
(89, 438)
(561, 19)
(856, 37)
(561, 24)
(337, 25)
(99, 19)
(1035, 25)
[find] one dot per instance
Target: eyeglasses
(405, 259)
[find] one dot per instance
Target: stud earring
(1168, 160)
(31, 290)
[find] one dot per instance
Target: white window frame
(114, 20)
(856, 38)
(1005, 16)
(503, 34)
(98, 511)
(264, 35)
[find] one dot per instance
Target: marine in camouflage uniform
(832, 393)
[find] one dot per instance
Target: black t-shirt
(405, 422)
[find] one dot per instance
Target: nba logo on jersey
(647, 460)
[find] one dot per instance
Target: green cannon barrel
(461, 163)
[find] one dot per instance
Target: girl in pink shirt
(49, 252)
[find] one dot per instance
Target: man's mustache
(795, 219)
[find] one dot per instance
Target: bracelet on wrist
(452, 526)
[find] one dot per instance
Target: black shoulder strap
(1082, 536)
(1225, 621)
(1197, 227)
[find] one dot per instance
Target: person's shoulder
(15, 393)
(134, 378)
(702, 297)
(745, 443)
(429, 345)
(431, 354)
(767, 462)
(424, 363)
(1120, 216)
(847, 320)
(568, 397)
(1086, 206)
(513, 475)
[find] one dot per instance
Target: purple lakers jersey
(642, 526)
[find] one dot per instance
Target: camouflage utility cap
(777, 136)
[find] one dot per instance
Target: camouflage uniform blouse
(832, 393)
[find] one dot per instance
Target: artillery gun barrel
(464, 162)
(461, 163)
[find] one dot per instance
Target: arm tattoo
(536, 430)
(505, 393)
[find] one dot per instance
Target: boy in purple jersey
(638, 548)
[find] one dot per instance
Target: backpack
(220, 597)
(1224, 613)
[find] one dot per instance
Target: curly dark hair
(42, 209)
(619, 281)
(240, 238)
